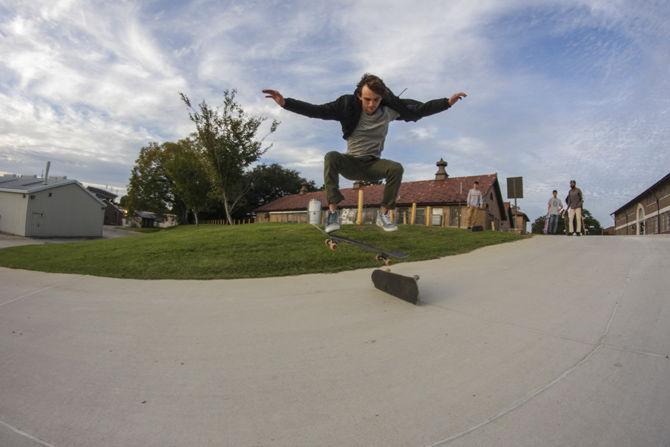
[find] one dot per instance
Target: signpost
(515, 188)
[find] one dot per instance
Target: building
(113, 214)
(646, 213)
(52, 207)
(438, 202)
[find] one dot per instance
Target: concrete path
(108, 232)
(551, 341)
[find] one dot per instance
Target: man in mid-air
(364, 117)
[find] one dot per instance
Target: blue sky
(558, 89)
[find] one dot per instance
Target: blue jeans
(553, 223)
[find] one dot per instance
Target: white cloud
(557, 89)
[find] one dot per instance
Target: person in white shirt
(554, 208)
(474, 202)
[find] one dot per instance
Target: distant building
(53, 207)
(113, 214)
(147, 219)
(646, 213)
(519, 219)
(438, 202)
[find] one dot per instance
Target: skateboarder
(575, 203)
(364, 117)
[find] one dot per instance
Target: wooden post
(429, 216)
(412, 216)
(359, 213)
(392, 215)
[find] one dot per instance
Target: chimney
(46, 173)
(441, 173)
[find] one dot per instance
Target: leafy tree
(268, 183)
(186, 169)
(228, 136)
(149, 186)
(590, 223)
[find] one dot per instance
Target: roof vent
(46, 173)
(441, 173)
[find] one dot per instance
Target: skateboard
(403, 287)
(380, 254)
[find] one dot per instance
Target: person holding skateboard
(474, 202)
(364, 117)
(554, 208)
(575, 203)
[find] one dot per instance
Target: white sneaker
(332, 222)
(384, 221)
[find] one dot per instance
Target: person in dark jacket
(364, 117)
(575, 202)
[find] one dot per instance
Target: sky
(558, 90)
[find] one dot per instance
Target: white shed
(59, 207)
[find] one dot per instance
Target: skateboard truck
(381, 257)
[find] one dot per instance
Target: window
(437, 216)
(420, 216)
(454, 215)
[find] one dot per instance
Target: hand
(274, 94)
(456, 97)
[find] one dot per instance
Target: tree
(591, 224)
(228, 137)
(149, 186)
(268, 183)
(186, 169)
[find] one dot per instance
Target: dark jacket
(347, 109)
(574, 199)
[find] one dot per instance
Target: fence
(225, 222)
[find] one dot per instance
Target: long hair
(373, 82)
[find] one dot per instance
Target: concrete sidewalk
(108, 232)
(550, 341)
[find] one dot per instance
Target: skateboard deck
(403, 287)
(380, 254)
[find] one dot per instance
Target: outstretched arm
(412, 110)
(328, 111)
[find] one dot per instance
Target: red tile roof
(453, 190)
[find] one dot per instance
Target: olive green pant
(368, 169)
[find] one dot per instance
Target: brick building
(438, 202)
(647, 213)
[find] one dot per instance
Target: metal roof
(33, 184)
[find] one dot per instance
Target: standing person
(575, 203)
(364, 116)
(474, 202)
(554, 208)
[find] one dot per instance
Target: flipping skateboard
(403, 287)
(380, 254)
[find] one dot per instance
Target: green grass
(244, 251)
